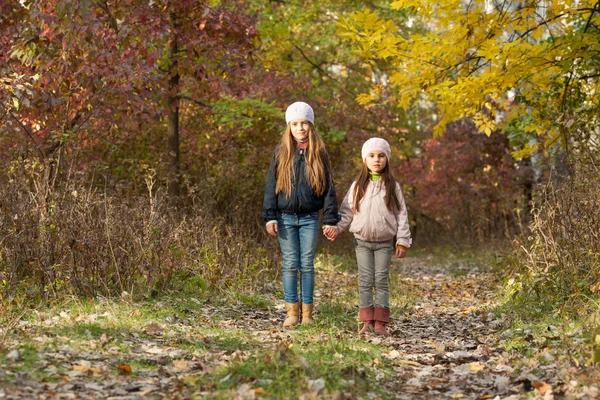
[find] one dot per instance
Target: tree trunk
(173, 120)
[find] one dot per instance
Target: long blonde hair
(315, 166)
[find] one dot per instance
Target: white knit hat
(376, 144)
(299, 110)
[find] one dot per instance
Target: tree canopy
(527, 67)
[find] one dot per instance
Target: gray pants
(373, 260)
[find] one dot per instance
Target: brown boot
(293, 311)
(365, 314)
(381, 317)
(307, 310)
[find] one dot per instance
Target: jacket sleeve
(330, 209)
(270, 208)
(346, 213)
(403, 234)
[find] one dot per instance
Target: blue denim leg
(309, 237)
(298, 237)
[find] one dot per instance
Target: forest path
(443, 344)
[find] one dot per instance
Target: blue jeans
(298, 235)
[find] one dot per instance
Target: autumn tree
(78, 72)
(528, 67)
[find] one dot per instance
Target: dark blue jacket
(302, 199)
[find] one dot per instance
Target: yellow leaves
(364, 98)
(538, 34)
(374, 37)
(484, 123)
(526, 152)
(595, 358)
(400, 4)
(367, 19)
(463, 57)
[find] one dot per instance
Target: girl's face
(300, 128)
(376, 161)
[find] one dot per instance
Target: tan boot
(381, 317)
(365, 315)
(293, 311)
(307, 310)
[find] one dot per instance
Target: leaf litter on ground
(444, 343)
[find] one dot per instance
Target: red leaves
(47, 33)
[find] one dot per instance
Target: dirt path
(444, 344)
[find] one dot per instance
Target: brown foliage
(558, 261)
(90, 243)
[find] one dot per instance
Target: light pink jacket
(374, 222)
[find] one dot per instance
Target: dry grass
(557, 264)
(86, 242)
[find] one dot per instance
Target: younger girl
(299, 185)
(375, 211)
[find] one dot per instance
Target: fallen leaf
(409, 362)
(392, 354)
(155, 350)
(181, 365)
(14, 355)
(125, 368)
(136, 313)
(154, 328)
(541, 387)
(477, 366)
(81, 368)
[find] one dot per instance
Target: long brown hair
(315, 166)
(362, 181)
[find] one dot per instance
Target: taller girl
(299, 185)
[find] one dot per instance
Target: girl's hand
(272, 229)
(330, 232)
(401, 251)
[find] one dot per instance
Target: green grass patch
(89, 331)
(252, 300)
(28, 363)
(143, 364)
(336, 262)
(338, 314)
(295, 367)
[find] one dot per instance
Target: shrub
(84, 242)
(556, 266)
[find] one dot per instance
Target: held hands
(330, 231)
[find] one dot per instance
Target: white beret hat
(299, 110)
(376, 144)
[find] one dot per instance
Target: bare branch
(25, 128)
